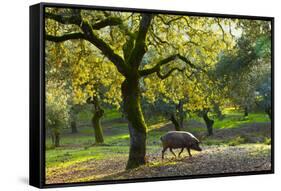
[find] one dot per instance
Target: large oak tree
(140, 46)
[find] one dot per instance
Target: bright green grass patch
(111, 114)
(65, 157)
(85, 115)
(237, 119)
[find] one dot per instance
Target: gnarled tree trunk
(268, 112)
(209, 122)
(246, 111)
(73, 118)
(175, 122)
(73, 127)
(136, 123)
(96, 120)
(181, 113)
(56, 139)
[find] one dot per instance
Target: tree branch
(139, 49)
(104, 48)
(73, 19)
(107, 22)
(171, 20)
(157, 67)
(169, 73)
(71, 36)
(76, 19)
(89, 35)
(221, 28)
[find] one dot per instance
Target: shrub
(267, 141)
(57, 113)
(237, 141)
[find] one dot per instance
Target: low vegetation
(78, 152)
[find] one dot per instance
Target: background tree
(57, 111)
(241, 70)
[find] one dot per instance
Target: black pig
(179, 139)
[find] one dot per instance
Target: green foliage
(237, 141)
(267, 141)
(57, 110)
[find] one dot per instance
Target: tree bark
(73, 118)
(175, 122)
(96, 121)
(73, 127)
(268, 112)
(56, 139)
(246, 111)
(209, 122)
(136, 123)
(181, 113)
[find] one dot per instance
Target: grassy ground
(79, 160)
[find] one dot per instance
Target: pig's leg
(181, 152)
(173, 152)
(163, 151)
(188, 150)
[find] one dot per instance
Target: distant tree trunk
(73, 119)
(96, 119)
(181, 113)
(175, 122)
(73, 127)
(268, 112)
(246, 111)
(209, 122)
(56, 139)
(218, 111)
(136, 124)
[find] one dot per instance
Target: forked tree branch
(221, 28)
(139, 49)
(171, 58)
(104, 48)
(71, 36)
(161, 76)
(89, 35)
(76, 19)
(112, 21)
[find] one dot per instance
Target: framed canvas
(128, 95)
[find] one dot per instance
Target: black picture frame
(37, 94)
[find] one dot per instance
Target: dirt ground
(212, 160)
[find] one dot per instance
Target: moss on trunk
(96, 121)
(175, 122)
(209, 122)
(136, 123)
